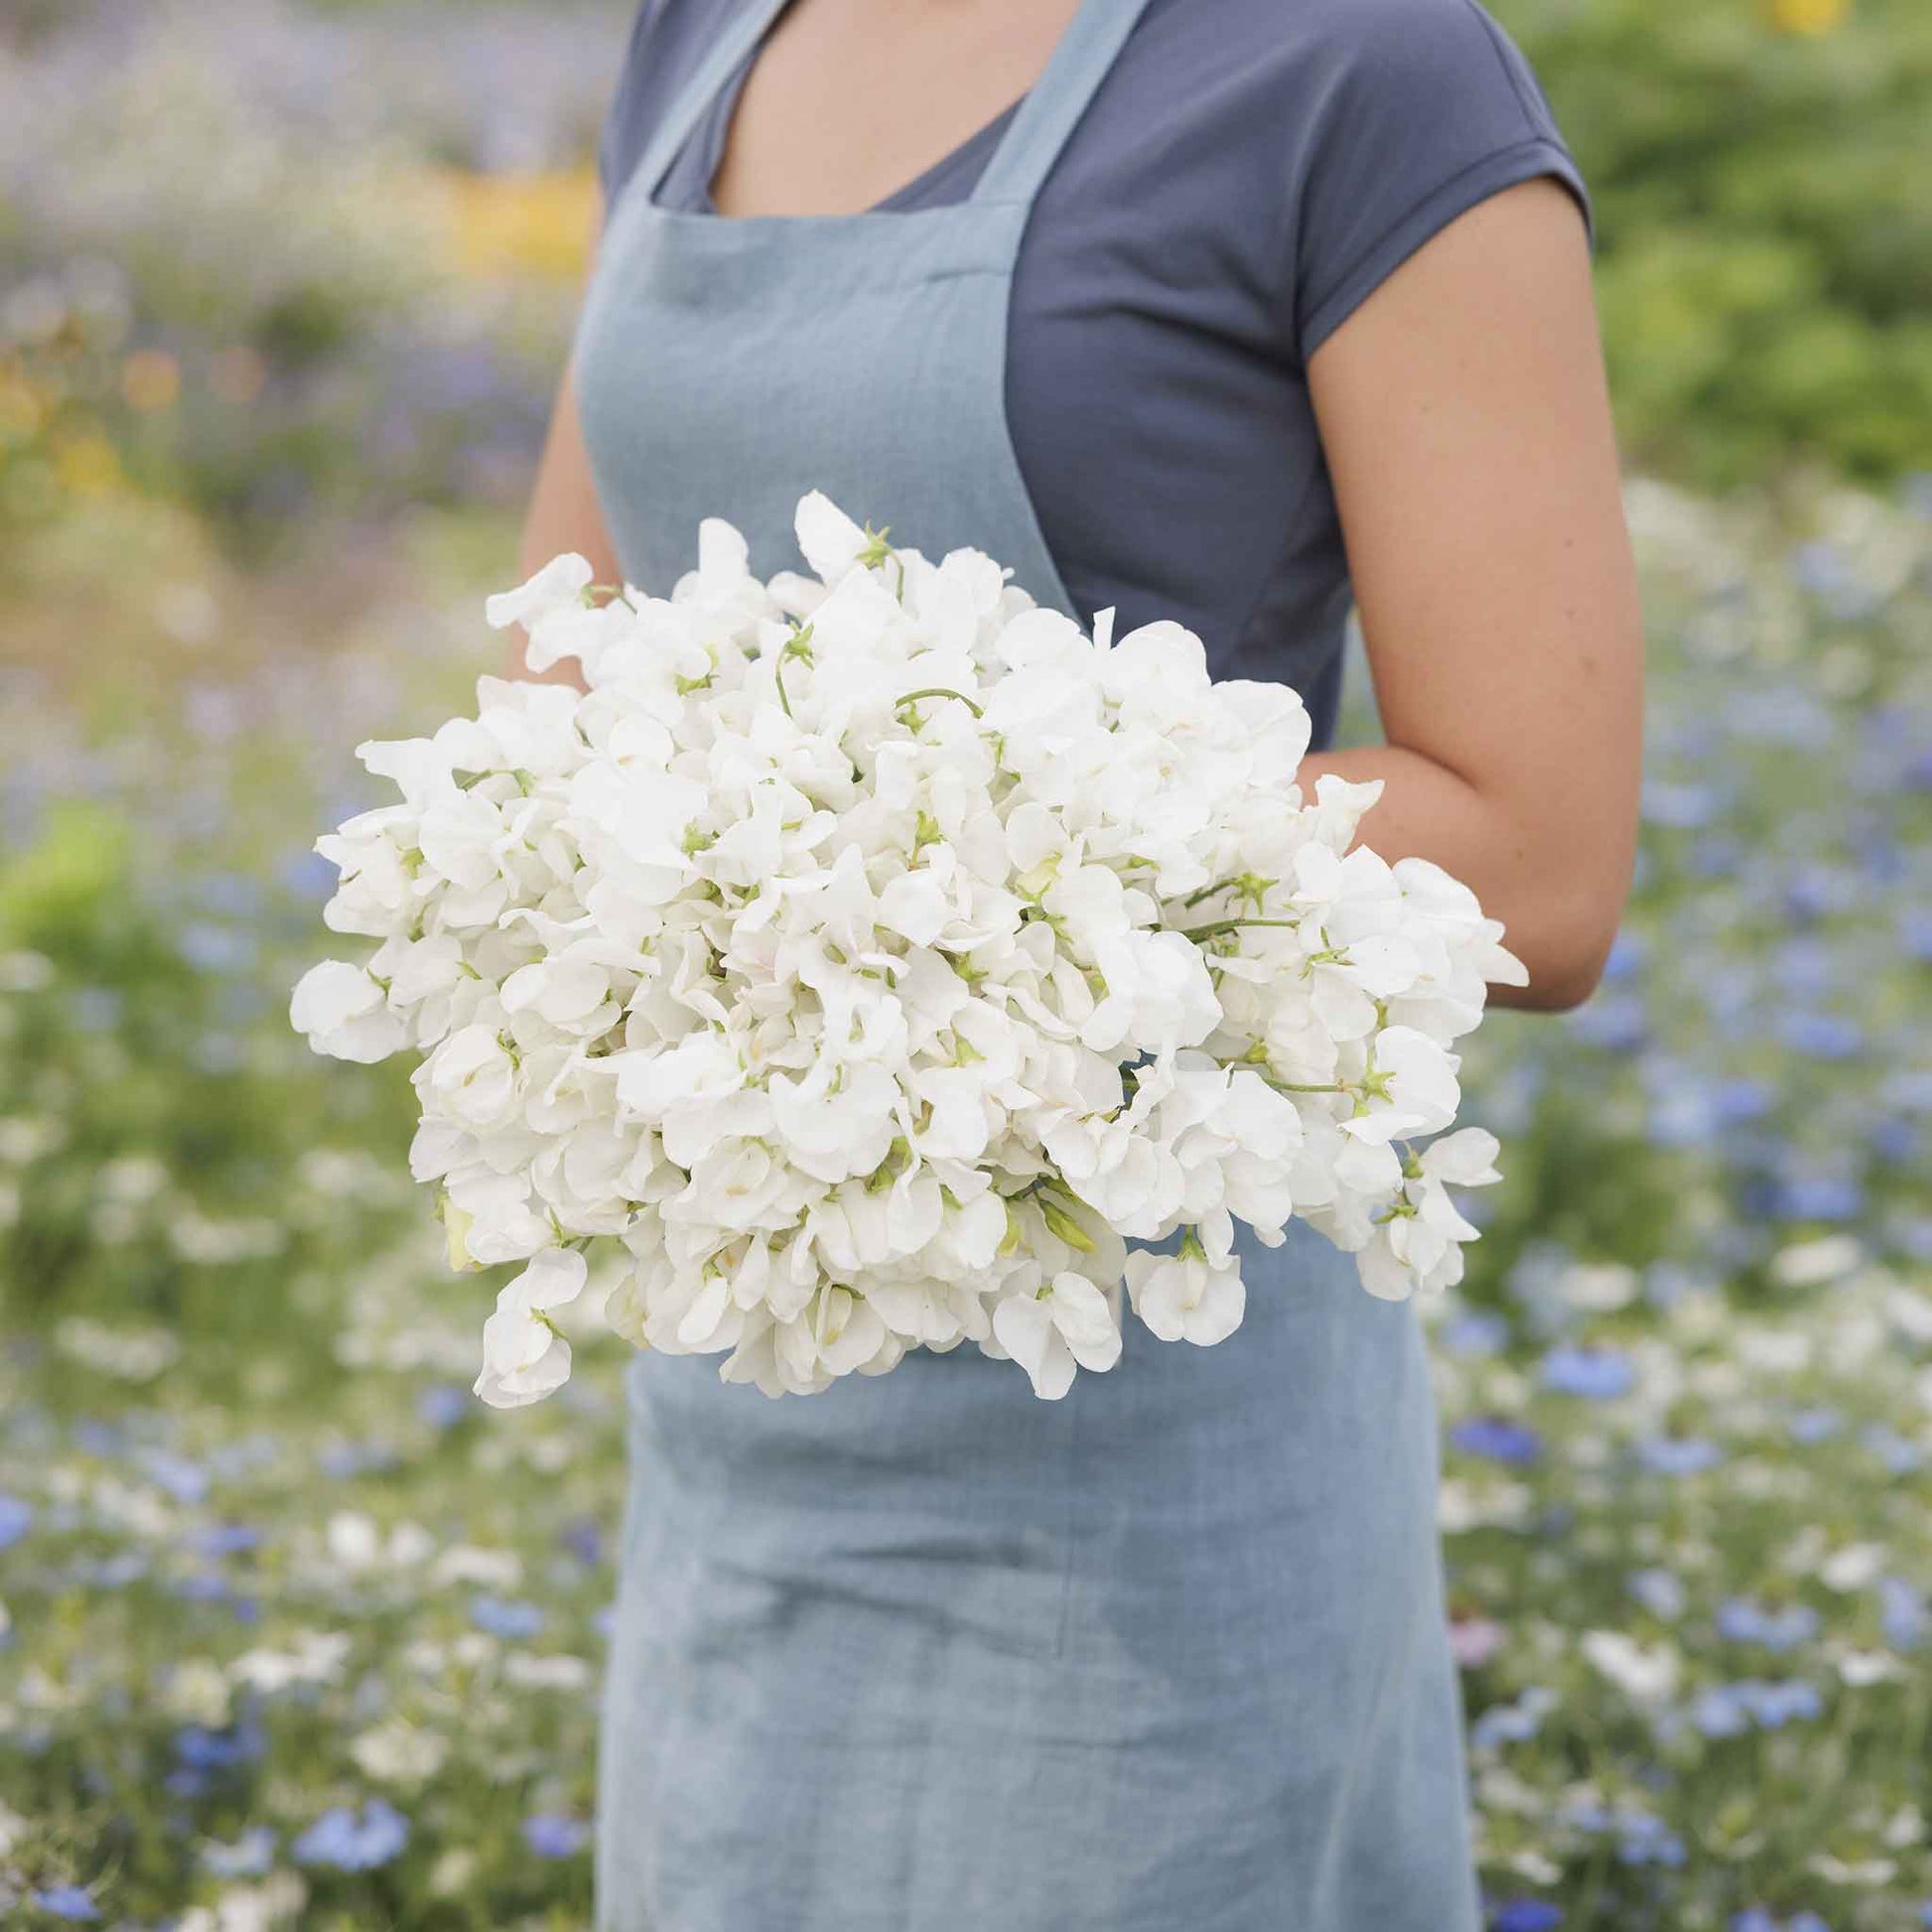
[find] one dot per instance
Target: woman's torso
(1242, 171)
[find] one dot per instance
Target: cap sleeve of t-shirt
(1422, 108)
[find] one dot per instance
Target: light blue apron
(924, 1653)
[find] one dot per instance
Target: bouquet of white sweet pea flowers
(870, 956)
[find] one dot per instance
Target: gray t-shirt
(1246, 174)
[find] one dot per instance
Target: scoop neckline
(713, 128)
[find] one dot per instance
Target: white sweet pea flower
(346, 1012)
(828, 539)
(1159, 994)
(1413, 1089)
(1185, 1296)
(1066, 1324)
(559, 585)
(840, 907)
(470, 1078)
(526, 1358)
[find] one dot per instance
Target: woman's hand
(1465, 416)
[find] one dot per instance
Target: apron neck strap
(1049, 113)
(741, 34)
(1027, 151)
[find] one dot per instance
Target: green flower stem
(1231, 926)
(938, 691)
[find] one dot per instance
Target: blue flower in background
(552, 1836)
(1826, 574)
(1678, 1456)
(15, 1519)
(1619, 1024)
(1684, 807)
(443, 1405)
(1779, 1704)
(1805, 965)
(1821, 1036)
(1666, 1283)
(1625, 959)
(1595, 1374)
(1496, 1438)
(1909, 1088)
(353, 1843)
(1898, 1452)
(583, 1537)
(1902, 1613)
(218, 1540)
(346, 1461)
(1479, 1333)
(1526, 1915)
(1716, 854)
(1745, 1621)
(1896, 1140)
(307, 874)
(1818, 1425)
(1742, 1099)
(1660, 1591)
(67, 1902)
(1513, 1723)
(211, 948)
(504, 1618)
(185, 1481)
(1726, 1710)
(125, 1567)
(1818, 1197)
(200, 1748)
(103, 1439)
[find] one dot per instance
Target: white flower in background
(869, 955)
(1645, 1674)
(526, 1358)
(399, 1753)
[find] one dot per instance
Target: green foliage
(1764, 212)
(155, 1114)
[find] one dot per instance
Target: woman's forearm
(563, 515)
(1558, 919)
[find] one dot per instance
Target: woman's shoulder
(1357, 128)
(1442, 56)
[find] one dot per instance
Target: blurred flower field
(294, 1633)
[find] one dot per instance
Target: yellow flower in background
(22, 408)
(86, 465)
(151, 380)
(1811, 17)
(522, 225)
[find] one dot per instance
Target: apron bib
(924, 1653)
(726, 365)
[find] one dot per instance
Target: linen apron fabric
(925, 1653)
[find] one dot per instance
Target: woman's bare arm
(563, 515)
(1465, 416)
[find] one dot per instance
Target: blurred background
(291, 1631)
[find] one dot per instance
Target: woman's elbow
(1567, 954)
